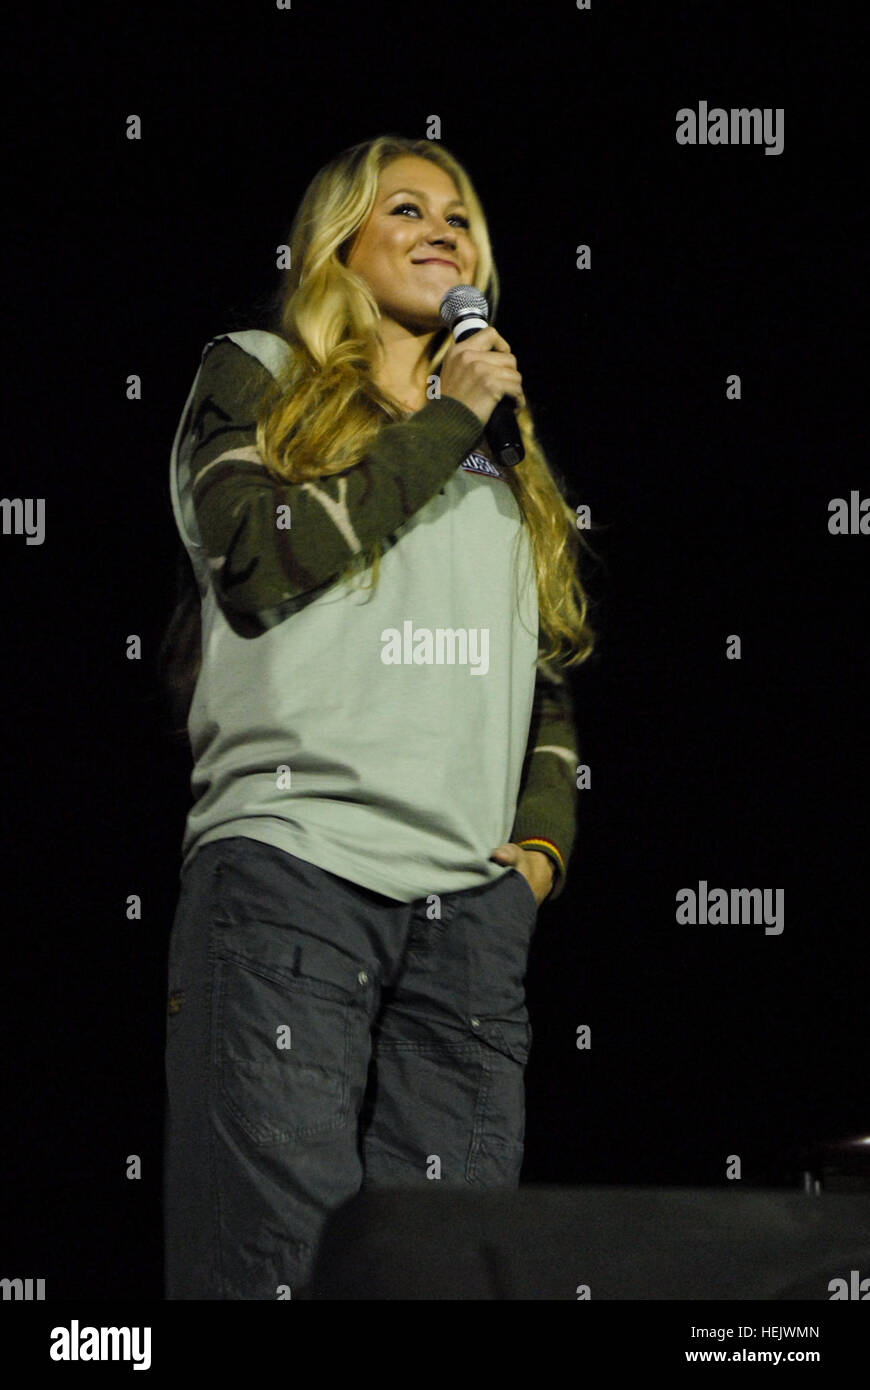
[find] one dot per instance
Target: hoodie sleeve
(546, 814)
(262, 567)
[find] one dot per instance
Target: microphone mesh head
(460, 298)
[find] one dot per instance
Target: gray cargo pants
(321, 1038)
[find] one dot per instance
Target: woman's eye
(400, 207)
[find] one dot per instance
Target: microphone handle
(503, 434)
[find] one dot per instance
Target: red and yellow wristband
(546, 847)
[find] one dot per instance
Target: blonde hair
(324, 407)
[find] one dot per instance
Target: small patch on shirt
(476, 462)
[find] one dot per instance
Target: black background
(711, 518)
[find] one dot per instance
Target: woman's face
(417, 224)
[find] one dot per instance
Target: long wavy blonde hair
(320, 413)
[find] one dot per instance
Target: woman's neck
(403, 373)
(407, 397)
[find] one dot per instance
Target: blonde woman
(383, 747)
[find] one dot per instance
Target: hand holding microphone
(479, 371)
(482, 373)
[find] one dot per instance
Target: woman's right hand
(479, 371)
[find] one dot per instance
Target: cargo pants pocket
(292, 1038)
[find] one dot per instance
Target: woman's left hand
(536, 867)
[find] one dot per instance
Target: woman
(383, 772)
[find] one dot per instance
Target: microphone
(464, 309)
